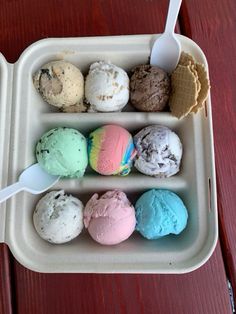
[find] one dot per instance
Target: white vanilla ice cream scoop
(106, 87)
(61, 84)
(58, 218)
(159, 151)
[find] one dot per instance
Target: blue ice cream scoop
(159, 213)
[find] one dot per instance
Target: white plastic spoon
(33, 179)
(166, 49)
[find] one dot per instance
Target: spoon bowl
(36, 180)
(166, 59)
(166, 49)
(33, 179)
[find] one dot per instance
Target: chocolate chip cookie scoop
(61, 84)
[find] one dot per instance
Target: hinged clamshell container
(5, 128)
(25, 117)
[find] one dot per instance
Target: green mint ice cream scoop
(63, 151)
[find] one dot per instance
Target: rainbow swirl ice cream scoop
(111, 150)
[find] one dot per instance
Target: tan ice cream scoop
(61, 84)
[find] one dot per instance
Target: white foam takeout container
(25, 117)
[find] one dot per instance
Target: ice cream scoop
(110, 219)
(159, 151)
(106, 87)
(63, 151)
(159, 213)
(58, 218)
(111, 150)
(61, 84)
(149, 88)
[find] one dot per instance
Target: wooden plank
(5, 281)
(212, 24)
(26, 21)
(201, 292)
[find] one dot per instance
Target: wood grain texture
(203, 291)
(212, 25)
(26, 21)
(5, 281)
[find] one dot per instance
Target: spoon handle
(10, 190)
(173, 12)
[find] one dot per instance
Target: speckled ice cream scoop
(58, 218)
(63, 151)
(106, 87)
(159, 151)
(61, 84)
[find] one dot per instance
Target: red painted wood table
(212, 24)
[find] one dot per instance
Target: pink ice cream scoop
(109, 219)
